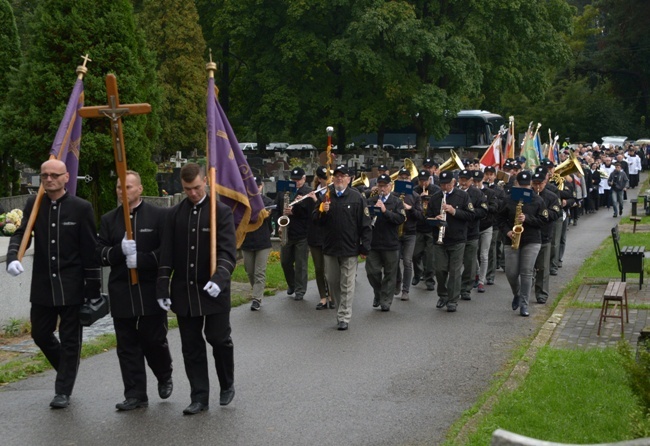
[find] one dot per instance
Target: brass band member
(423, 266)
(479, 203)
(485, 228)
(521, 262)
(414, 215)
(496, 245)
(454, 207)
(315, 241)
(294, 256)
(345, 221)
(384, 246)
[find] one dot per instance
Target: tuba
(453, 163)
(567, 167)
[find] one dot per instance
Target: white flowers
(10, 221)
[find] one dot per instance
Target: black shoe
(60, 401)
(165, 388)
(553, 273)
(331, 305)
(342, 326)
(296, 297)
(321, 306)
(132, 403)
(385, 308)
(290, 291)
(490, 282)
(431, 286)
(515, 303)
(415, 281)
(441, 303)
(375, 302)
(226, 396)
(465, 297)
(524, 313)
(615, 215)
(541, 301)
(195, 408)
(451, 308)
(256, 305)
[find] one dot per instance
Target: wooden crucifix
(114, 111)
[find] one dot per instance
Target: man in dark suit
(140, 321)
(200, 298)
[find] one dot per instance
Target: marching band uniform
(407, 241)
(384, 247)
(496, 244)
(315, 242)
(423, 265)
(485, 227)
(449, 255)
(479, 203)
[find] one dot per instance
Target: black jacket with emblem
(346, 226)
(300, 213)
(422, 225)
(492, 201)
(554, 208)
(479, 203)
(384, 232)
(456, 231)
(185, 253)
(536, 217)
(65, 270)
(147, 222)
(414, 215)
(261, 237)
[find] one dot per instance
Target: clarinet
(443, 227)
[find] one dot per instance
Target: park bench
(615, 295)
(633, 215)
(629, 258)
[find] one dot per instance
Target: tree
(60, 32)
(9, 62)
(173, 33)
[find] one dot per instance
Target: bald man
(65, 274)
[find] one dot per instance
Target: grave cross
(178, 160)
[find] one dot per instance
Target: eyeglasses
(54, 176)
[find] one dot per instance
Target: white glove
(15, 268)
(212, 289)
(165, 304)
(132, 261)
(128, 246)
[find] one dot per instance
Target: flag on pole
(510, 140)
(529, 150)
(235, 182)
(67, 141)
(538, 147)
(492, 156)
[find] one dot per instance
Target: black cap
(548, 163)
(523, 178)
(515, 165)
(446, 177)
(489, 169)
(423, 175)
(297, 173)
(383, 178)
(476, 161)
(404, 171)
(382, 167)
(465, 174)
(477, 175)
(343, 169)
(521, 159)
(539, 177)
(541, 170)
(321, 172)
(259, 180)
(428, 162)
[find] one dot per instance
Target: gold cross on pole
(114, 111)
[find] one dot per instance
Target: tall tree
(173, 32)
(9, 62)
(61, 31)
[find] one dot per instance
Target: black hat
(382, 167)
(515, 165)
(548, 163)
(297, 173)
(404, 171)
(477, 175)
(343, 169)
(541, 170)
(259, 180)
(423, 175)
(523, 178)
(465, 174)
(321, 172)
(521, 159)
(489, 169)
(539, 177)
(383, 178)
(428, 162)
(446, 177)
(476, 161)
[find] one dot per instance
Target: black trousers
(64, 354)
(140, 338)
(216, 328)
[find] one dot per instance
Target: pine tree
(60, 32)
(173, 32)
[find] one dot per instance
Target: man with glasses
(65, 274)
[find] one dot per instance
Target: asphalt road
(396, 378)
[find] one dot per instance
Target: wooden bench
(615, 295)
(633, 215)
(629, 258)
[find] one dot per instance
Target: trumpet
(443, 227)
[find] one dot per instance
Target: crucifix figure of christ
(114, 111)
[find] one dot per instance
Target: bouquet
(10, 221)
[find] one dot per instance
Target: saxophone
(283, 222)
(518, 228)
(443, 227)
(400, 228)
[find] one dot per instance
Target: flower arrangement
(10, 221)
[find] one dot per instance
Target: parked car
(277, 146)
(248, 146)
(303, 147)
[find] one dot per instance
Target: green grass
(569, 396)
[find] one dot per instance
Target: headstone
(178, 160)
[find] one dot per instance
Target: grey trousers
(340, 274)
(319, 269)
(543, 272)
(449, 260)
(555, 245)
(423, 264)
(492, 259)
(469, 268)
(383, 284)
(484, 245)
(520, 264)
(407, 246)
(294, 258)
(255, 266)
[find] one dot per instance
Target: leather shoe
(431, 286)
(385, 308)
(524, 313)
(165, 388)
(415, 281)
(290, 291)
(60, 401)
(375, 302)
(343, 326)
(226, 396)
(441, 303)
(466, 297)
(331, 305)
(321, 306)
(451, 308)
(131, 403)
(515, 303)
(195, 408)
